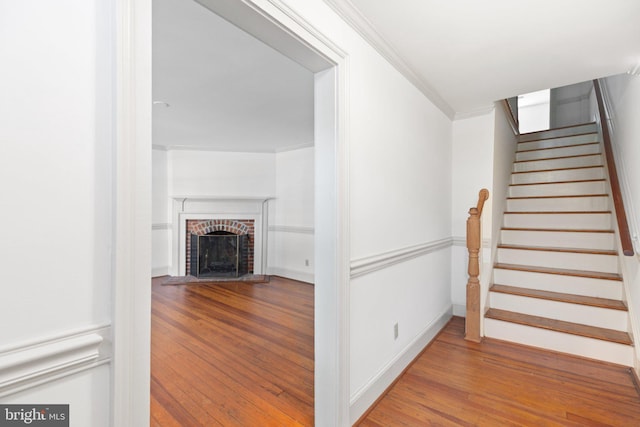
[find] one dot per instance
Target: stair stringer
(626, 265)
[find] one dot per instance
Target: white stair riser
(559, 239)
(598, 221)
(571, 162)
(576, 313)
(558, 341)
(550, 153)
(558, 142)
(556, 133)
(587, 286)
(566, 260)
(561, 189)
(558, 175)
(559, 204)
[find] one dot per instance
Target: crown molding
(479, 111)
(352, 16)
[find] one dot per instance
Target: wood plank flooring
(458, 383)
(240, 354)
(232, 354)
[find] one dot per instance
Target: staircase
(556, 281)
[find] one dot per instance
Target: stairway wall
(483, 151)
(622, 96)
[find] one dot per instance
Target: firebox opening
(219, 254)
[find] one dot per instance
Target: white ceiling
(226, 90)
(229, 91)
(467, 53)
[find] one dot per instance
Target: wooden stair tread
(554, 148)
(559, 169)
(558, 182)
(557, 158)
(558, 230)
(559, 128)
(560, 297)
(560, 326)
(559, 249)
(556, 212)
(557, 197)
(560, 271)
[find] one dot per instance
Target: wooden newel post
(472, 324)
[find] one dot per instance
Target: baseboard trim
(459, 310)
(364, 398)
(291, 229)
(30, 364)
(291, 274)
(160, 271)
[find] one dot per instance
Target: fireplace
(219, 254)
(219, 247)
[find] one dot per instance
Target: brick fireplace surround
(235, 226)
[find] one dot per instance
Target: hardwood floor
(232, 354)
(240, 354)
(458, 383)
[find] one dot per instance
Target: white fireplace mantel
(219, 207)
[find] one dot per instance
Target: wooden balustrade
(472, 325)
(616, 193)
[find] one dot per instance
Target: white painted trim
(267, 150)
(131, 378)
(32, 363)
(367, 265)
(459, 241)
(130, 371)
(295, 147)
(459, 310)
(476, 112)
(205, 198)
(161, 226)
(291, 229)
(363, 398)
(160, 271)
(351, 15)
(462, 241)
(291, 274)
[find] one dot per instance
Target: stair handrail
(472, 321)
(616, 194)
(512, 116)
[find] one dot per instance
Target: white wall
(483, 153)
(400, 208)
(472, 170)
(56, 169)
(533, 111)
(161, 214)
(291, 228)
(215, 173)
(623, 96)
(570, 105)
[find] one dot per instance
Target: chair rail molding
(372, 263)
(30, 364)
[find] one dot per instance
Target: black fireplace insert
(219, 254)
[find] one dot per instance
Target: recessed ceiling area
(225, 89)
